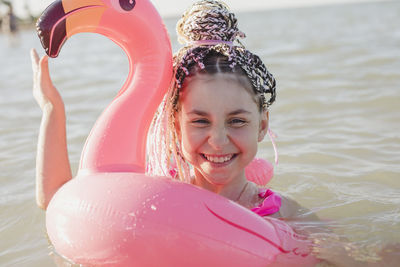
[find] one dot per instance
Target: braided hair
(209, 32)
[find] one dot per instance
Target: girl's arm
(292, 210)
(52, 163)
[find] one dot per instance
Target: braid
(207, 20)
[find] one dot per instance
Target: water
(336, 116)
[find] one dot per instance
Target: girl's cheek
(244, 137)
(192, 137)
(243, 132)
(195, 132)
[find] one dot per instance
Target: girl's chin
(216, 178)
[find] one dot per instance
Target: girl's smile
(219, 159)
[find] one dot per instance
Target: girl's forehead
(205, 78)
(216, 92)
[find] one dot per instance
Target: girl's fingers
(34, 57)
(40, 67)
(44, 62)
(44, 74)
(35, 63)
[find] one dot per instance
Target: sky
(176, 7)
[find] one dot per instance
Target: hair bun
(207, 20)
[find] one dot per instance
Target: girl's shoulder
(291, 209)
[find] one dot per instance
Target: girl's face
(219, 126)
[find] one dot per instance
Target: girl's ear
(264, 120)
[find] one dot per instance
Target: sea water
(337, 118)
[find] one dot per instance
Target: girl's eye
(237, 122)
(200, 122)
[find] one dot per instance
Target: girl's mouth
(219, 159)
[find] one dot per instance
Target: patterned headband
(209, 26)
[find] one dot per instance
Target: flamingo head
(129, 23)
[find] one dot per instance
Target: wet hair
(209, 32)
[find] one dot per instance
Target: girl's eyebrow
(239, 111)
(197, 112)
(203, 113)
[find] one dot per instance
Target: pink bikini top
(272, 203)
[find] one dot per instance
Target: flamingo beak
(64, 18)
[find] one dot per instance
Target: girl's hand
(43, 89)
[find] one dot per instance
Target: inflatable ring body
(112, 214)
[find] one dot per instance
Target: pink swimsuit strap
(271, 204)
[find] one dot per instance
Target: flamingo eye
(127, 5)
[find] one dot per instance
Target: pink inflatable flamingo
(111, 214)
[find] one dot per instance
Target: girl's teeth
(218, 159)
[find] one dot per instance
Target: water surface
(337, 118)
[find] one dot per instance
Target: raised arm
(52, 163)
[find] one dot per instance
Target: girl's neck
(232, 190)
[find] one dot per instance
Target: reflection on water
(336, 117)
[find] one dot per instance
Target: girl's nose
(218, 138)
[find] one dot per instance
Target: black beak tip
(51, 30)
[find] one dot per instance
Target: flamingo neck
(117, 142)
